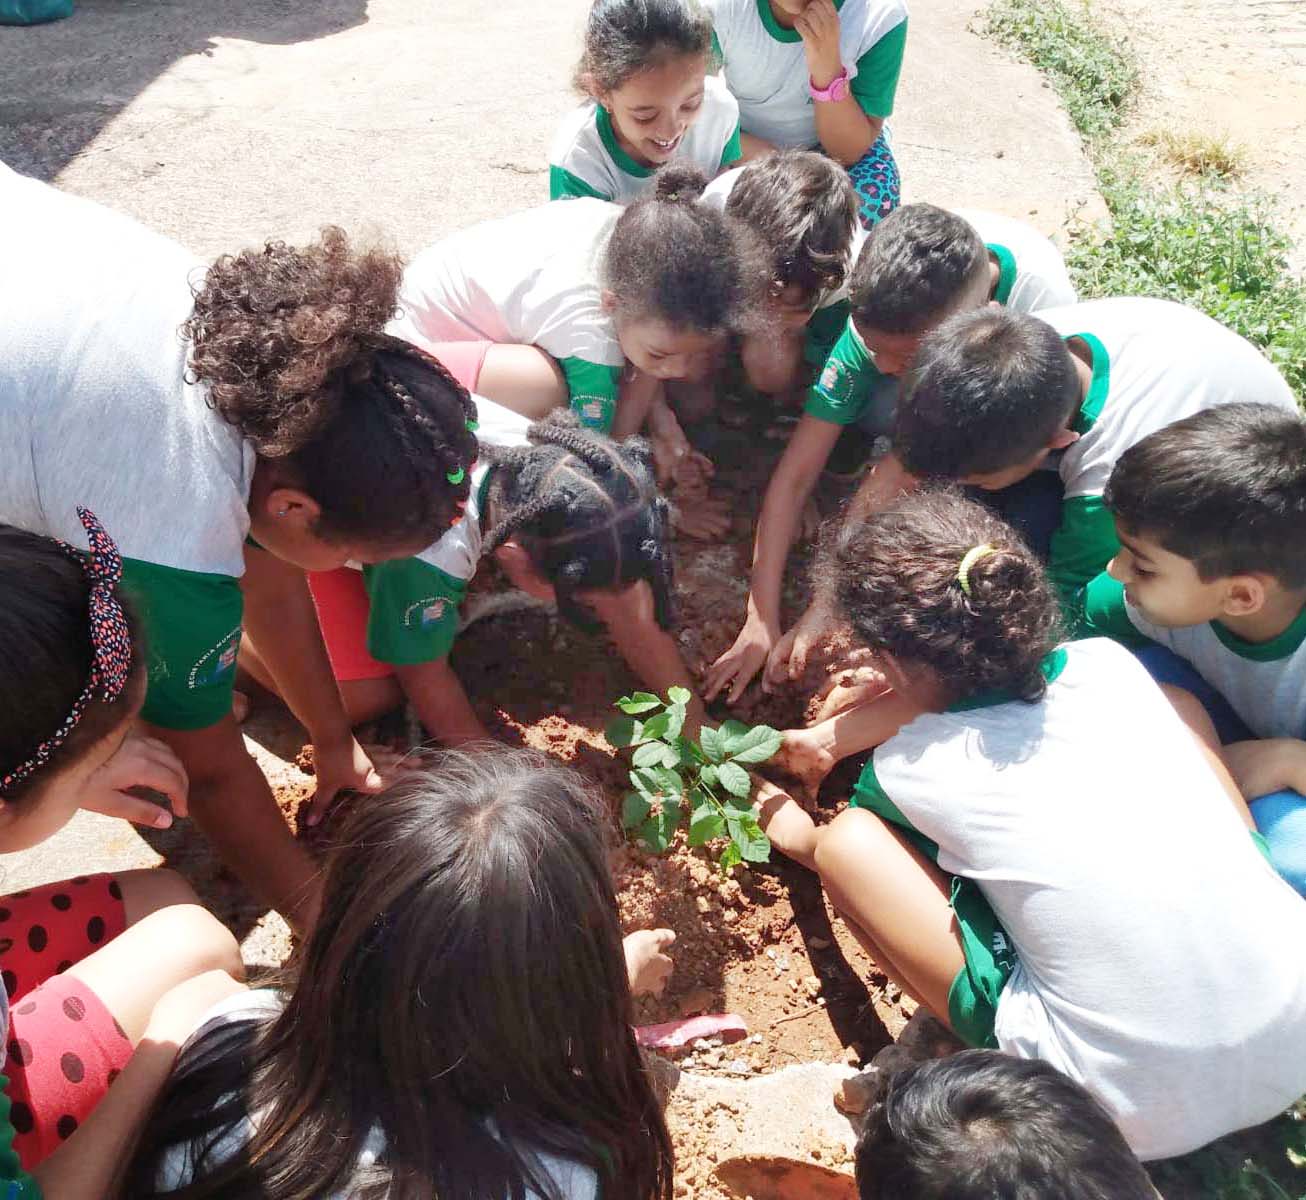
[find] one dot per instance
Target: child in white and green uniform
(918, 266)
(188, 443)
(822, 74)
(1043, 854)
(593, 286)
(1209, 586)
(569, 515)
(644, 69)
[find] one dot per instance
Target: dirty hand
(847, 688)
(737, 666)
(703, 518)
(648, 966)
(340, 767)
(788, 658)
(804, 757)
(818, 26)
(140, 762)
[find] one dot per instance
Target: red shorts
(340, 596)
(64, 1047)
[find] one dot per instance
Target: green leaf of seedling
(634, 810)
(709, 775)
(658, 781)
(754, 845)
(730, 857)
(679, 695)
(735, 780)
(650, 754)
(712, 743)
(756, 746)
(675, 721)
(658, 726)
(624, 731)
(706, 823)
(640, 702)
(644, 782)
(670, 819)
(654, 836)
(690, 754)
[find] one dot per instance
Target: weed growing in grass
(1091, 71)
(1195, 152)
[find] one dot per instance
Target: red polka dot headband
(110, 640)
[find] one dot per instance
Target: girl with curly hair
(219, 420)
(458, 1025)
(1031, 850)
(571, 517)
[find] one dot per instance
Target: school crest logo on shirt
(836, 381)
(216, 666)
(432, 613)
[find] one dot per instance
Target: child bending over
(104, 975)
(1211, 576)
(1043, 853)
(458, 1025)
(650, 99)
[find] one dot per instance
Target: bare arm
(635, 400)
(791, 485)
(845, 130)
(281, 624)
(441, 702)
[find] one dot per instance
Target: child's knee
(844, 842)
(1281, 819)
(196, 940)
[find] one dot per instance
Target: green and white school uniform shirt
(1031, 276)
(1265, 682)
(766, 67)
(414, 603)
(96, 410)
(830, 313)
(533, 278)
(1157, 953)
(1154, 362)
(587, 160)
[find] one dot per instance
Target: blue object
(1281, 819)
(34, 12)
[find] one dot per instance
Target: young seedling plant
(704, 782)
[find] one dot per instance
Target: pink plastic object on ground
(670, 1034)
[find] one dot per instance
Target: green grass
(1201, 241)
(1091, 71)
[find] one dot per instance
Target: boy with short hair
(981, 1124)
(917, 267)
(1211, 516)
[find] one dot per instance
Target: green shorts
(990, 959)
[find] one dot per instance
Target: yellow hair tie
(969, 559)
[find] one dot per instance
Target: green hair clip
(473, 426)
(456, 477)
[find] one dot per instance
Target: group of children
(1072, 572)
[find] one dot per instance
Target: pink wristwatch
(836, 91)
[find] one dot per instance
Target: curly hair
(803, 207)
(45, 659)
(682, 262)
(624, 37)
(895, 579)
(590, 512)
(290, 344)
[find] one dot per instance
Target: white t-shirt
(587, 160)
(94, 402)
(177, 1169)
(766, 66)
(532, 278)
(1031, 272)
(1160, 958)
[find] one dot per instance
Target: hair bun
(680, 183)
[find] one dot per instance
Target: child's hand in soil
(846, 689)
(705, 519)
(789, 657)
(648, 966)
(140, 762)
(804, 758)
(344, 767)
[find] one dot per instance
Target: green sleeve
(412, 611)
(1103, 613)
(733, 151)
(15, 1183)
(876, 82)
(191, 622)
(563, 185)
(718, 55)
(1082, 545)
(869, 794)
(843, 388)
(824, 329)
(593, 389)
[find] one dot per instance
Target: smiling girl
(644, 69)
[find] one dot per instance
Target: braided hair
(589, 510)
(289, 343)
